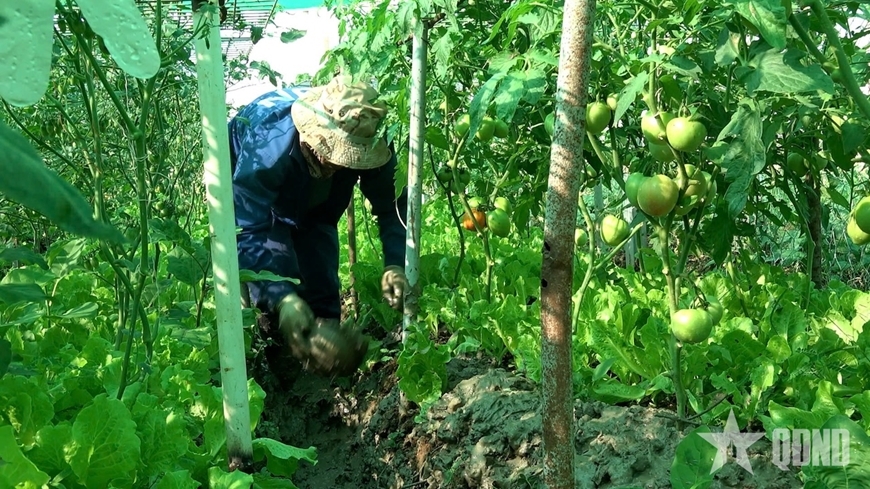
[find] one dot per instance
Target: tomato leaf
(628, 95)
(536, 84)
(509, 94)
(729, 47)
(743, 156)
(37, 187)
(782, 72)
(768, 16)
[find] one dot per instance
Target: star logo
(731, 436)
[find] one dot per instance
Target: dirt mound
(485, 432)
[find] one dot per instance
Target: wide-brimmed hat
(341, 122)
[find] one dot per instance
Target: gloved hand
(394, 284)
(323, 346)
(295, 318)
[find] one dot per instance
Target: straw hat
(341, 121)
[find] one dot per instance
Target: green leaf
(5, 356)
(693, 462)
(782, 72)
(793, 417)
(42, 190)
(16, 293)
(104, 449)
(180, 479)
(26, 67)
(436, 138)
(85, 311)
(184, 267)
(24, 255)
(221, 479)
(479, 104)
(768, 16)
(836, 197)
(509, 94)
(15, 469)
(729, 47)
(249, 276)
(854, 136)
(442, 49)
(613, 391)
(838, 474)
(535, 84)
(743, 156)
(132, 47)
(26, 407)
(265, 481)
(162, 434)
(628, 95)
(48, 454)
(291, 35)
(281, 459)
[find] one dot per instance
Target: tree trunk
(557, 271)
(351, 255)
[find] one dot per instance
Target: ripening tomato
(657, 196)
(479, 216)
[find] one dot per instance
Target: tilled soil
(485, 432)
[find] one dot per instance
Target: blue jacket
(272, 186)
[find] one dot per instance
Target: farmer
(297, 154)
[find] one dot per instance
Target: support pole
(222, 228)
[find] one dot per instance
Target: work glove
(394, 284)
(323, 346)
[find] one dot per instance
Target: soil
(485, 432)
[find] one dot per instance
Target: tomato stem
(849, 82)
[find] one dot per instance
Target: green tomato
(685, 134)
(501, 129)
(499, 222)
(858, 237)
(614, 230)
(661, 152)
(632, 184)
(444, 174)
(580, 237)
(697, 183)
(612, 101)
(550, 123)
(797, 164)
(462, 125)
(691, 325)
(598, 116)
(503, 204)
(654, 126)
(861, 214)
(715, 309)
(486, 130)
